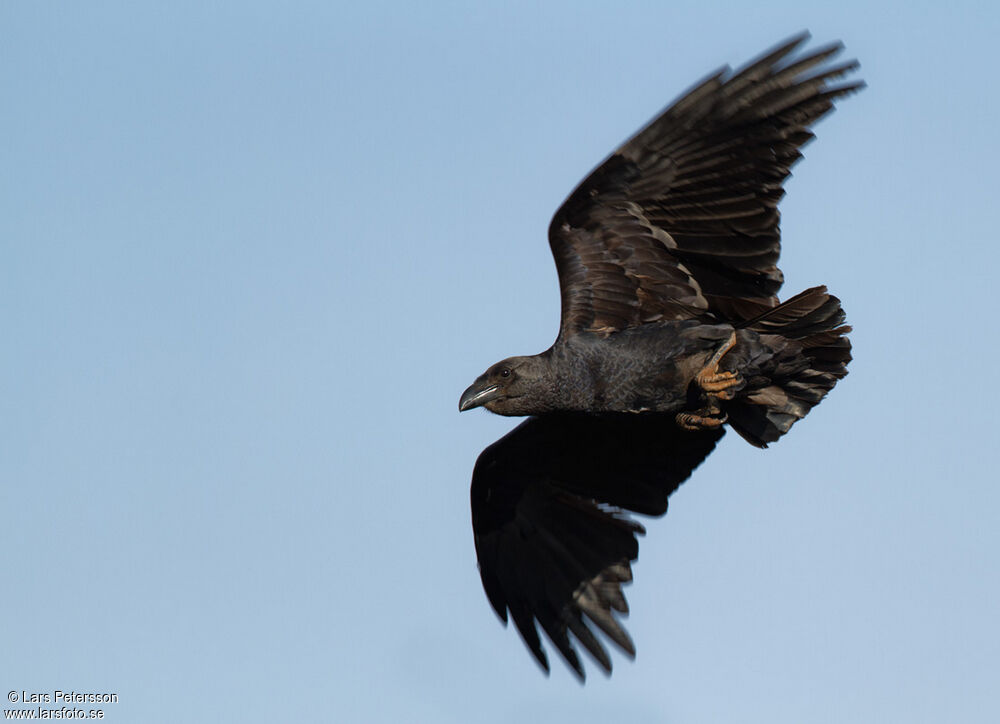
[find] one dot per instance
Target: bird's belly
(653, 369)
(663, 389)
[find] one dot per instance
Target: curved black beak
(478, 395)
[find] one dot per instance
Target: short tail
(800, 353)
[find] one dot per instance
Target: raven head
(514, 386)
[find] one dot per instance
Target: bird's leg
(716, 385)
(720, 385)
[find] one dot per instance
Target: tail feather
(798, 354)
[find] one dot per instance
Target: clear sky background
(251, 254)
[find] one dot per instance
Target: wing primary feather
(589, 641)
(586, 599)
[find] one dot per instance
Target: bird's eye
(505, 372)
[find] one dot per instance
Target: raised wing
(681, 222)
(553, 541)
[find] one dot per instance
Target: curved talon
(723, 385)
(695, 421)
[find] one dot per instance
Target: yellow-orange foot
(718, 384)
(705, 419)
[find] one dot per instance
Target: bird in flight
(671, 328)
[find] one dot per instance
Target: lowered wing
(552, 536)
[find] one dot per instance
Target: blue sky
(251, 255)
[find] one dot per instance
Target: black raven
(667, 258)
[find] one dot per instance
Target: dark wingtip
(773, 55)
